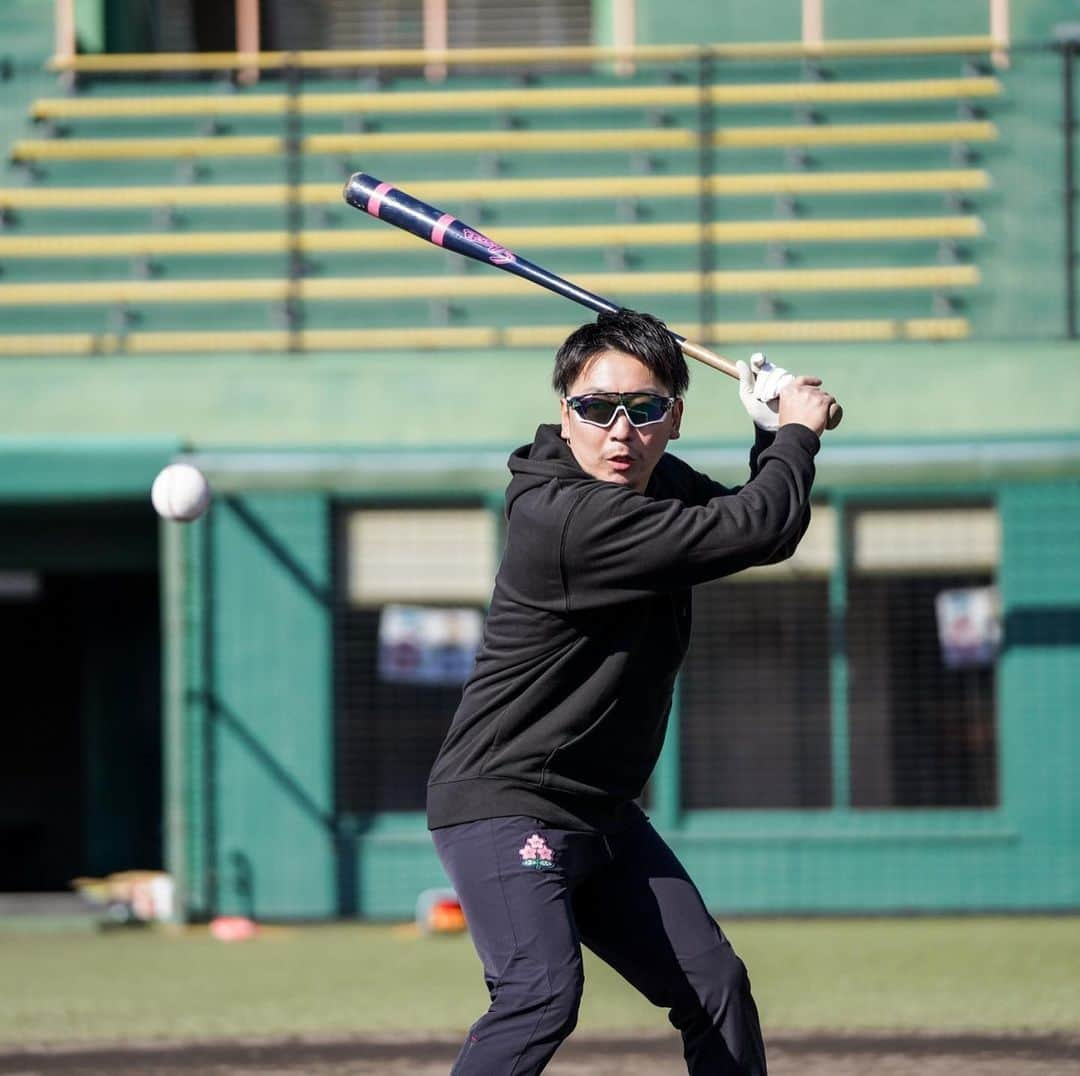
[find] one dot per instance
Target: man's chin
(631, 478)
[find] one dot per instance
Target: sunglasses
(600, 408)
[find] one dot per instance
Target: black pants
(532, 895)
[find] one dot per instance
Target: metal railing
(1070, 50)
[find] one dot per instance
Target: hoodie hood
(548, 457)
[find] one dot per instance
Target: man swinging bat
(531, 800)
(532, 797)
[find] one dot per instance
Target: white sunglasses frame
(669, 400)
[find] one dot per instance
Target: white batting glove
(759, 388)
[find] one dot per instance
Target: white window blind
(437, 555)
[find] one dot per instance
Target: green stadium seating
(838, 208)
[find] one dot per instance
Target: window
(922, 629)
(413, 585)
(754, 690)
(496, 24)
(399, 24)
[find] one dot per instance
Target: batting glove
(759, 388)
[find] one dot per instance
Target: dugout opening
(80, 771)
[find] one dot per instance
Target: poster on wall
(428, 645)
(969, 626)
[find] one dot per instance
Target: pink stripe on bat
(441, 225)
(375, 198)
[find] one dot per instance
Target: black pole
(211, 887)
(294, 210)
(706, 310)
(1068, 54)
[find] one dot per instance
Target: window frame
(341, 508)
(842, 821)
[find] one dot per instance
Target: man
(531, 799)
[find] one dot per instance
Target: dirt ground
(789, 1055)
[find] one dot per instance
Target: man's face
(621, 452)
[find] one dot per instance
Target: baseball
(180, 492)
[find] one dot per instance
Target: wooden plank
(552, 189)
(551, 98)
(579, 140)
(384, 240)
(494, 285)
(277, 340)
(118, 63)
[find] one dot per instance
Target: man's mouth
(621, 463)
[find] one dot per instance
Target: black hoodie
(564, 714)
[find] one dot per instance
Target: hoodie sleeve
(618, 545)
(704, 488)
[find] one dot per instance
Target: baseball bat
(393, 205)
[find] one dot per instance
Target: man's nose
(621, 426)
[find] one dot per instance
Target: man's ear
(676, 419)
(564, 423)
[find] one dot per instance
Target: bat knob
(360, 189)
(836, 413)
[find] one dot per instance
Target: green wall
(266, 661)
(737, 20)
(26, 40)
(1021, 257)
(1040, 679)
(250, 781)
(890, 391)
(781, 20)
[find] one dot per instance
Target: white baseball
(180, 492)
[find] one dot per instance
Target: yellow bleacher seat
(502, 189)
(749, 332)
(488, 285)
(278, 340)
(855, 182)
(119, 63)
(375, 104)
(524, 238)
(858, 47)
(580, 140)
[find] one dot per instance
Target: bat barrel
(393, 205)
(390, 203)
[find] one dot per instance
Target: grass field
(73, 983)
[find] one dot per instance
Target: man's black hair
(640, 335)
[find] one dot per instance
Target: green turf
(1008, 974)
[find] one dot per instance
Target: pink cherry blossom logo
(536, 854)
